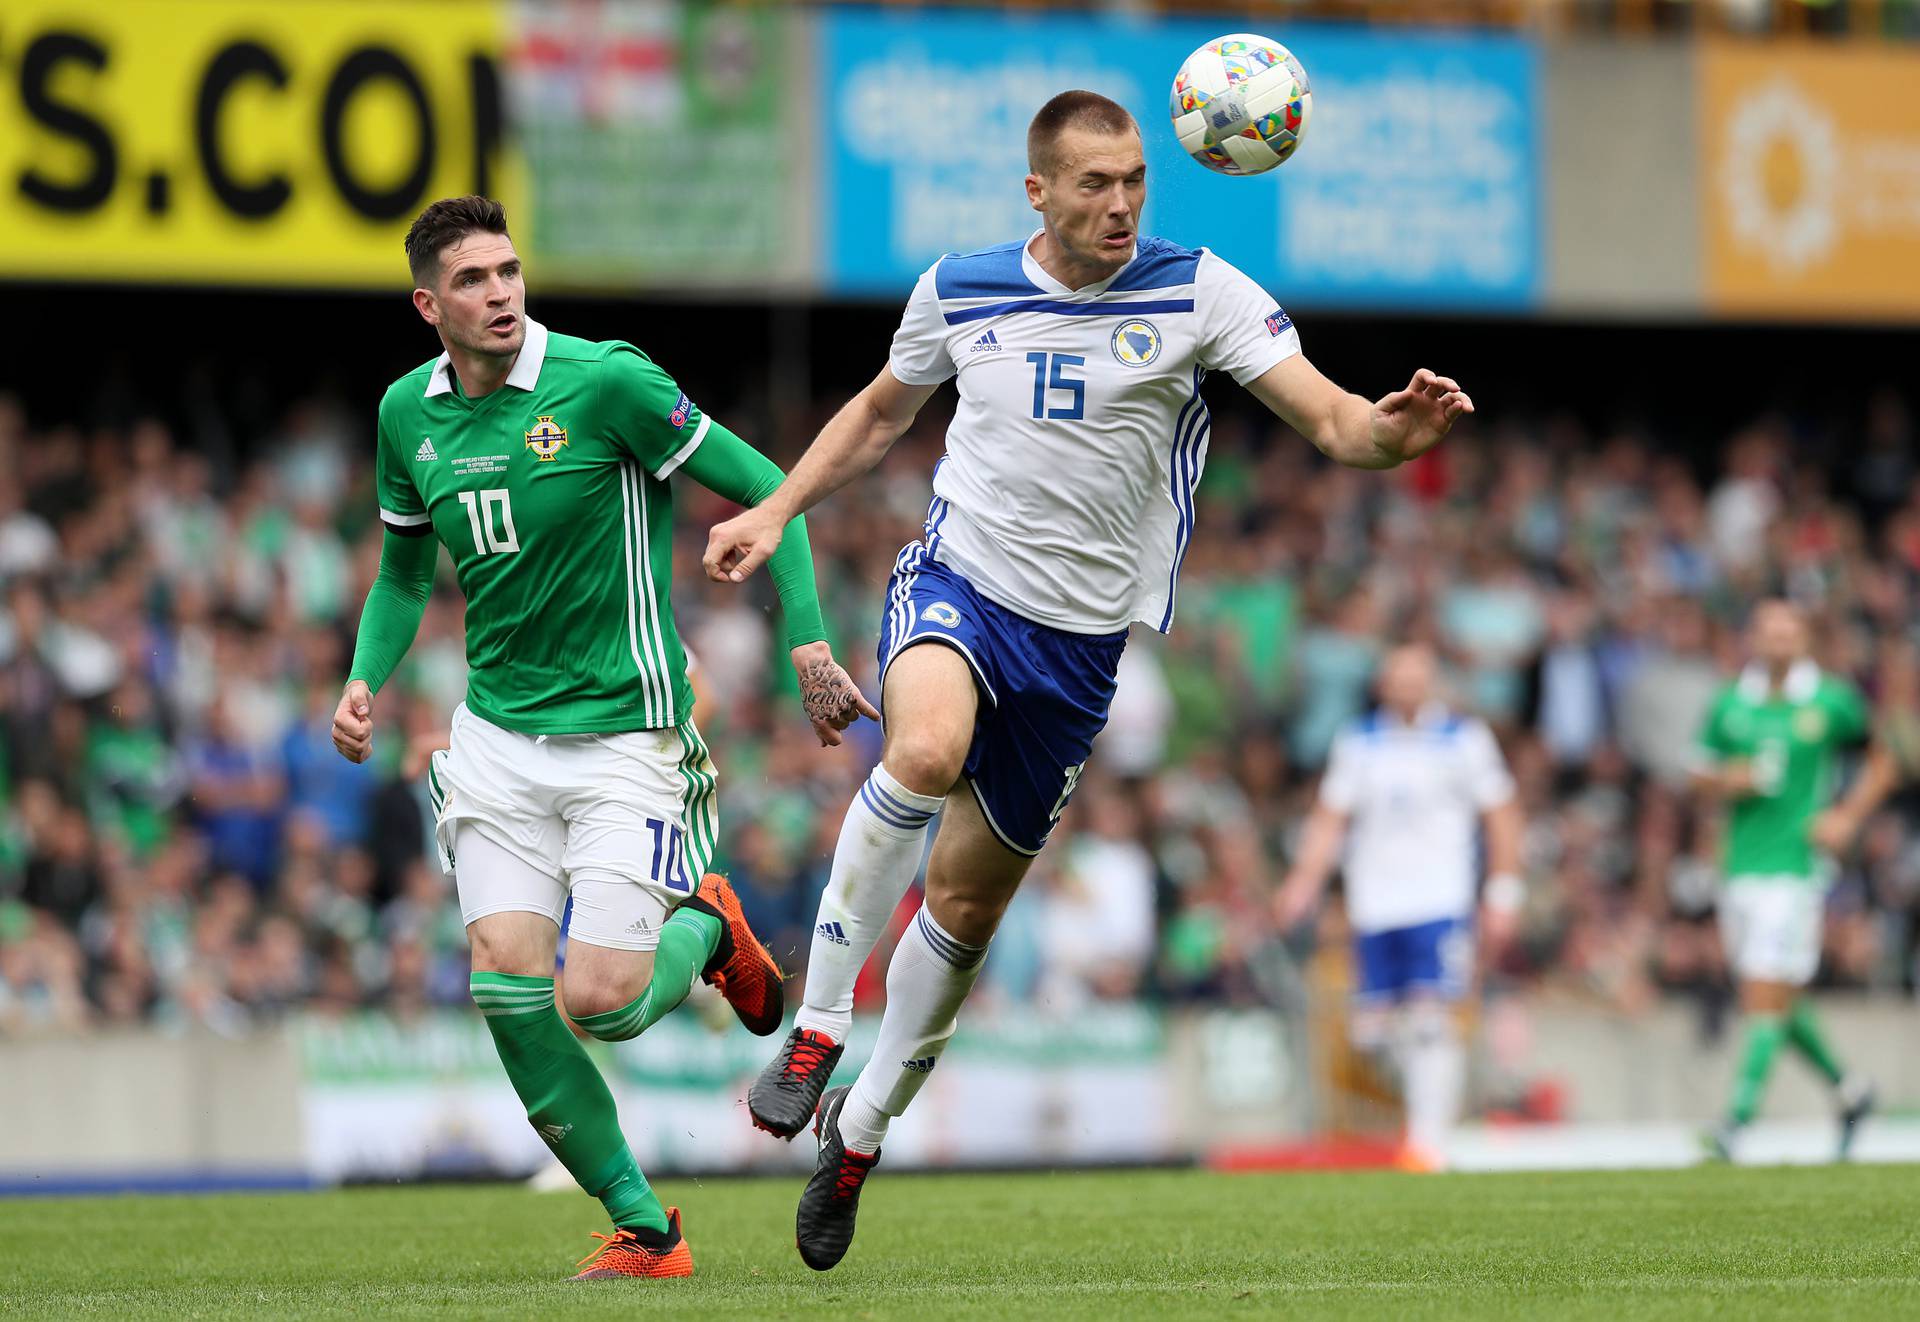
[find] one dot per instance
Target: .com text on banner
(233, 141)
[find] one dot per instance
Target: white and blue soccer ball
(1241, 104)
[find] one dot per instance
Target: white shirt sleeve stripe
(686, 451)
(403, 520)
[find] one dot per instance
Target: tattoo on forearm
(825, 691)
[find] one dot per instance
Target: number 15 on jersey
(1050, 378)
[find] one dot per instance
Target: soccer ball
(1240, 104)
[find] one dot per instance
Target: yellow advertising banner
(1810, 174)
(234, 141)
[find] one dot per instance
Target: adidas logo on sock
(554, 1133)
(924, 1065)
(834, 933)
(426, 453)
(988, 343)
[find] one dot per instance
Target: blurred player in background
(575, 772)
(1770, 750)
(1060, 516)
(1405, 791)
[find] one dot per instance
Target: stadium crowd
(180, 843)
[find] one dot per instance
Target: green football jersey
(1791, 739)
(551, 495)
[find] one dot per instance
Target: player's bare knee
(972, 919)
(1427, 1019)
(511, 943)
(599, 986)
(926, 760)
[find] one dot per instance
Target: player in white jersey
(1059, 517)
(1408, 788)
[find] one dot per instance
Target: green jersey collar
(526, 368)
(1803, 681)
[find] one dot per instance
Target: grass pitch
(1836, 1242)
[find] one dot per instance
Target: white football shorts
(1771, 927)
(625, 823)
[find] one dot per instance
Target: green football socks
(1803, 1030)
(687, 942)
(566, 1099)
(1765, 1033)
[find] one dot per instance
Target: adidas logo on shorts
(834, 933)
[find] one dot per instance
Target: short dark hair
(444, 224)
(1075, 110)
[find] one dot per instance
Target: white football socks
(881, 844)
(930, 976)
(1433, 1071)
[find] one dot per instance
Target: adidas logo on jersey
(425, 454)
(834, 933)
(924, 1065)
(988, 343)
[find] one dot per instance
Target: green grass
(1749, 1243)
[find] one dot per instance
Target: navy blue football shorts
(1044, 692)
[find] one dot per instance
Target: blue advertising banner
(1416, 185)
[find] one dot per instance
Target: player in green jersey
(1770, 746)
(541, 462)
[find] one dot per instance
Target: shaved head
(1087, 111)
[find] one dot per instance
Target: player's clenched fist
(742, 544)
(353, 722)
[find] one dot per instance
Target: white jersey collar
(526, 368)
(1803, 681)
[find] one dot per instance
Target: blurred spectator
(180, 844)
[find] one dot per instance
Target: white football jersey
(1067, 492)
(1413, 796)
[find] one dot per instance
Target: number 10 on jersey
(490, 515)
(1050, 375)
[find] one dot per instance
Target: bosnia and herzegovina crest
(546, 438)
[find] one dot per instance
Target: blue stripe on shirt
(1063, 309)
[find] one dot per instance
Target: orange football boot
(622, 1254)
(742, 970)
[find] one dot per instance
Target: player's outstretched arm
(388, 622)
(1346, 428)
(851, 443)
(728, 466)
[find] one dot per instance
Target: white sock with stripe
(930, 976)
(881, 844)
